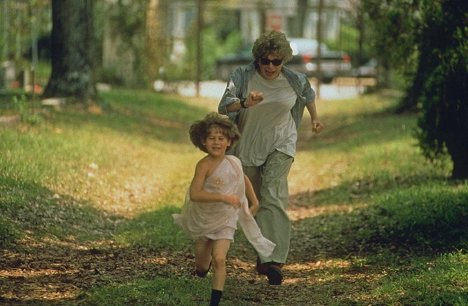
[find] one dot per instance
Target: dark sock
(215, 297)
(202, 273)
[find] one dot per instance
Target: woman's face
(270, 66)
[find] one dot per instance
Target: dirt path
(60, 271)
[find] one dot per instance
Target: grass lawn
(86, 199)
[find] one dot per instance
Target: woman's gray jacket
(237, 87)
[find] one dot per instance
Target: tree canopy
(426, 41)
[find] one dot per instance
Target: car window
(306, 46)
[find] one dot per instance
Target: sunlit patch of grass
(130, 158)
(364, 150)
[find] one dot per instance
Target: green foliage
(25, 109)
(394, 24)
(212, 48)
(443, 123)
(428, 40)
(16, 27)
(349, 42)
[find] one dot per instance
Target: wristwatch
(242, 103)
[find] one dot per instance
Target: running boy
(219, 196)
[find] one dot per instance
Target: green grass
(378, 225)
(432, 282)
(87, 159)
(158, 291)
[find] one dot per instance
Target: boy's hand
(232, 200)
(254, 208)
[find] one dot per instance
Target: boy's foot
(202, 273)
(274, 274)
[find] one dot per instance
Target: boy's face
(216, 143)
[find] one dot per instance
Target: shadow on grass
(426, 219)
(54, 247)
(29, 209)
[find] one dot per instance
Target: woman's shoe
(261, 268)
(274, 274)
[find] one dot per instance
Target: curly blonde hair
(200, 129)
(272, 42)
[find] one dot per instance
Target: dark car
(332, 63)
(368, 70)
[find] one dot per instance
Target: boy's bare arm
(198, 194)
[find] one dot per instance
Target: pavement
(339, 89)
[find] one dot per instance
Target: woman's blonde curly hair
(272, 42)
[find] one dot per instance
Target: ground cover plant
(86, 197)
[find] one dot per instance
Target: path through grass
(86, 199)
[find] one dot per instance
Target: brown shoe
(262, 268)
(272, 270)
(274, 274)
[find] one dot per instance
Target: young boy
(218, 197)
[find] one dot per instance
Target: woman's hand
(253, 98)
(317, 126)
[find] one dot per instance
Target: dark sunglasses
(275, 62)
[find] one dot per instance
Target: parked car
(332, 63)
(367, 70)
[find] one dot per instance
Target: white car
(332, 63)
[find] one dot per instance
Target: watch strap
(242, 103)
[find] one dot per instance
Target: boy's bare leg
(203, 250)
(220, 249)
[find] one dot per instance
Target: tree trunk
(72, 51)
(153, 39)
(409, 102)
(302, 11)
(460, 167)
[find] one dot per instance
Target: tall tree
(72, 51)
(394, 28)
(426, 39)
(444, 120)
